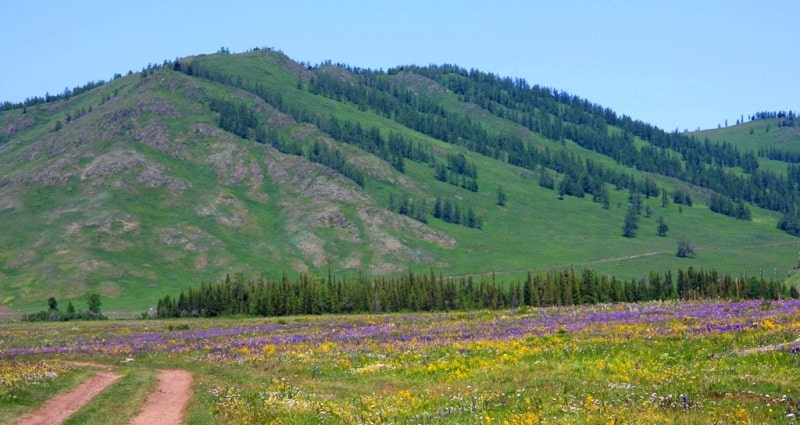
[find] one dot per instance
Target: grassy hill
(761, 135)
(254, 163)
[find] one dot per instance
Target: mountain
(254, 163)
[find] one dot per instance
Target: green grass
(765, 134)
(119, 402)
(536, 230)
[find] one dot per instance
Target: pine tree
(662, 226)
(93, 302)
(501, 196)
(545, 179)
(631, 223)
(437, 208)
(601, 195)
(52, 304)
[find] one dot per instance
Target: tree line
(452, 212)
(443, 209)
(785, 119)
(726, 206)
(243, 121)
(790, 222)
(239, 295)
(779, 155)
(458, 171)
(48, 98)
(393, 100)
(410, 207)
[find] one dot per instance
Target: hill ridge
(255, 163)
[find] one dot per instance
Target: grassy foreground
(671, 363)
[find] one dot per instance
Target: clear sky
(673, 63)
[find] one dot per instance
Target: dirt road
(61, 407)
(167, 403)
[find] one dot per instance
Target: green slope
(142, 191)
(760, 136)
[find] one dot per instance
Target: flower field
(666, 362)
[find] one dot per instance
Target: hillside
(775, 137)
(254, 163)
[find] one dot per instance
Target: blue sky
(676, 64)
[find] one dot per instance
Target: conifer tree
(631, 223)
(662, 226)
(501, 196)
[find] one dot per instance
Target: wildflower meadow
(650, 363)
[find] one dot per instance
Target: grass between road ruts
(118, 403)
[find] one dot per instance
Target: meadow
(670, 362)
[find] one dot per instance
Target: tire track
(61, 407)
(166, 405)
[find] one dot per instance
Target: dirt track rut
(166, 405)
(61, 407)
